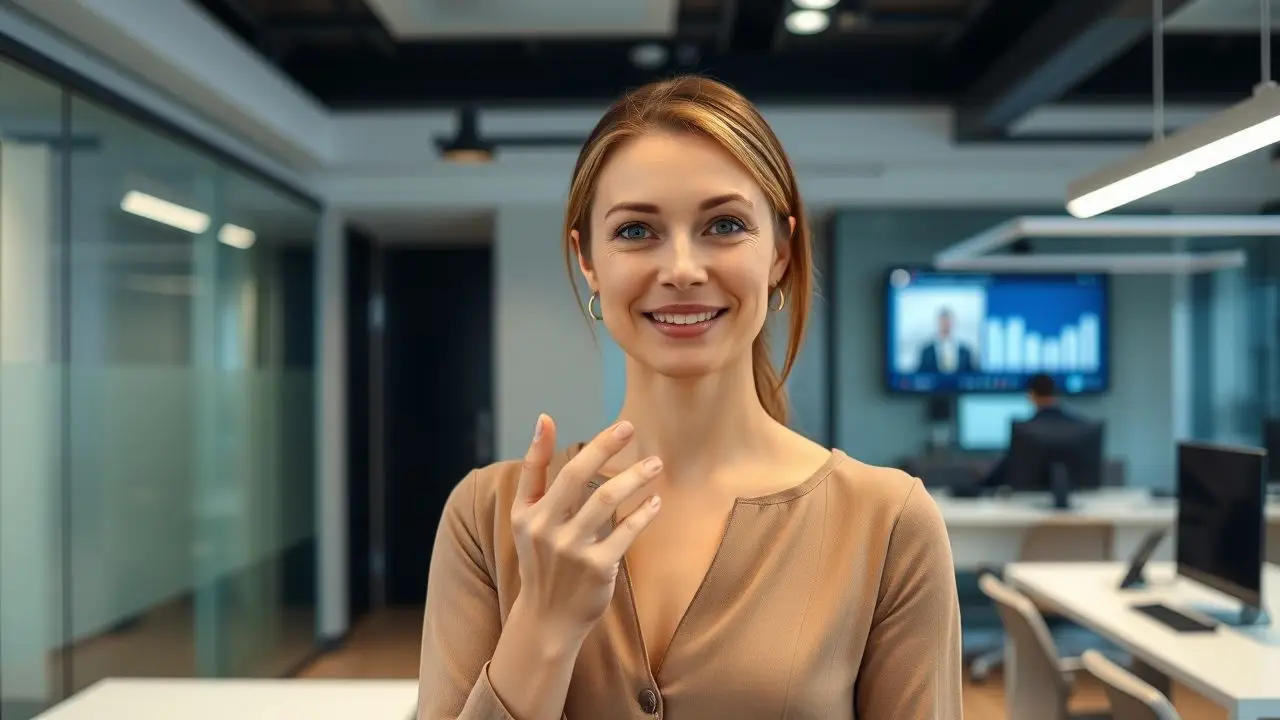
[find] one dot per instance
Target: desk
(139, 699)
(989, 530)
(1238, 668)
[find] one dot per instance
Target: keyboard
(1174, 619)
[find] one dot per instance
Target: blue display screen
(982, 332)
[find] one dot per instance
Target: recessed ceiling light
(807, 22)
(815, 4)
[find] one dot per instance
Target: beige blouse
(830, 600)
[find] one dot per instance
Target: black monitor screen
(1037, 446)
(957, 332)
(1222, 518)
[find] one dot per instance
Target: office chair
(1130, 697)
(1039, 685)
(1063, 540)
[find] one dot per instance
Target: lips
(686, 321)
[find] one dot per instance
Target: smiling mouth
(683, 319)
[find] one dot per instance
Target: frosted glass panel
(31, 396)
(157, 426)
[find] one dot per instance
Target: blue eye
(726, 226)
(633, 232)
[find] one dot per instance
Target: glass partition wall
(1234, 349)
(156, 405)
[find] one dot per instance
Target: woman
(697, 559)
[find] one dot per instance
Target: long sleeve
(912, 669)
(462, 623)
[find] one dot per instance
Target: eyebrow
(651, 209)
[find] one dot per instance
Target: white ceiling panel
(446, 19)
(1220, 16)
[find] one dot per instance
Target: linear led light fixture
(972, 253)
(165, 212)
(236, 236)
(1165, 162)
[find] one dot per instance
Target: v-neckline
(834, 458)
(656, 671)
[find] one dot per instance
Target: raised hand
(568, 566)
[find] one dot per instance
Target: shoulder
(877, 489)
(891, 503)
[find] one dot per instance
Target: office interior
(274, 276)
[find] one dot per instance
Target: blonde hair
(718, 112)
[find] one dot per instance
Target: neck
(694, 423)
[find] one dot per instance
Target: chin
(683, 369)
(687, 363)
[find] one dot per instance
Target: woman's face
(684, 251)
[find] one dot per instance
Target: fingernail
(537, 429)
(653, 465)
(623, 430)
(655, 501)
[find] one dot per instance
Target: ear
(782, 253)
(583, 266)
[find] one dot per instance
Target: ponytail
(769, 384)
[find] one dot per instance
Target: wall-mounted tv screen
(963, 332)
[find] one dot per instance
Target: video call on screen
(980, 332)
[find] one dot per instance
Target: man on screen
(945, 354)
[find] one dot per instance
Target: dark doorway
(362, 252)
(438, 396)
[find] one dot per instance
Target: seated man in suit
(1043, 393)
(945, 354)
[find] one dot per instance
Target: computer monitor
(984, 421)
(1222, 524)
(1055, 455)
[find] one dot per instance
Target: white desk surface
(1238, 668)
(196, 699)
(1126, 506)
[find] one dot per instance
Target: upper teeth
(684, 318)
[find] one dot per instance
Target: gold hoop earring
(592, 305)
(782, 299)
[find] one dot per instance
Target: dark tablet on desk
(1136, 577)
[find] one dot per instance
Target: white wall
(546, 360)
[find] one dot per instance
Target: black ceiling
(994, 60)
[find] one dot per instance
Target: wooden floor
(385, 645)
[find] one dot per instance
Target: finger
(533, 475)
(619, 541)
(566, 491)
(599, 508)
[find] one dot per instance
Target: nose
(683, 266)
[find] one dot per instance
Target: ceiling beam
(1072, 41)
(443, 75)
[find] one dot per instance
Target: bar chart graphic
(1009, 346)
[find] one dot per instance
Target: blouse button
(648, 701)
